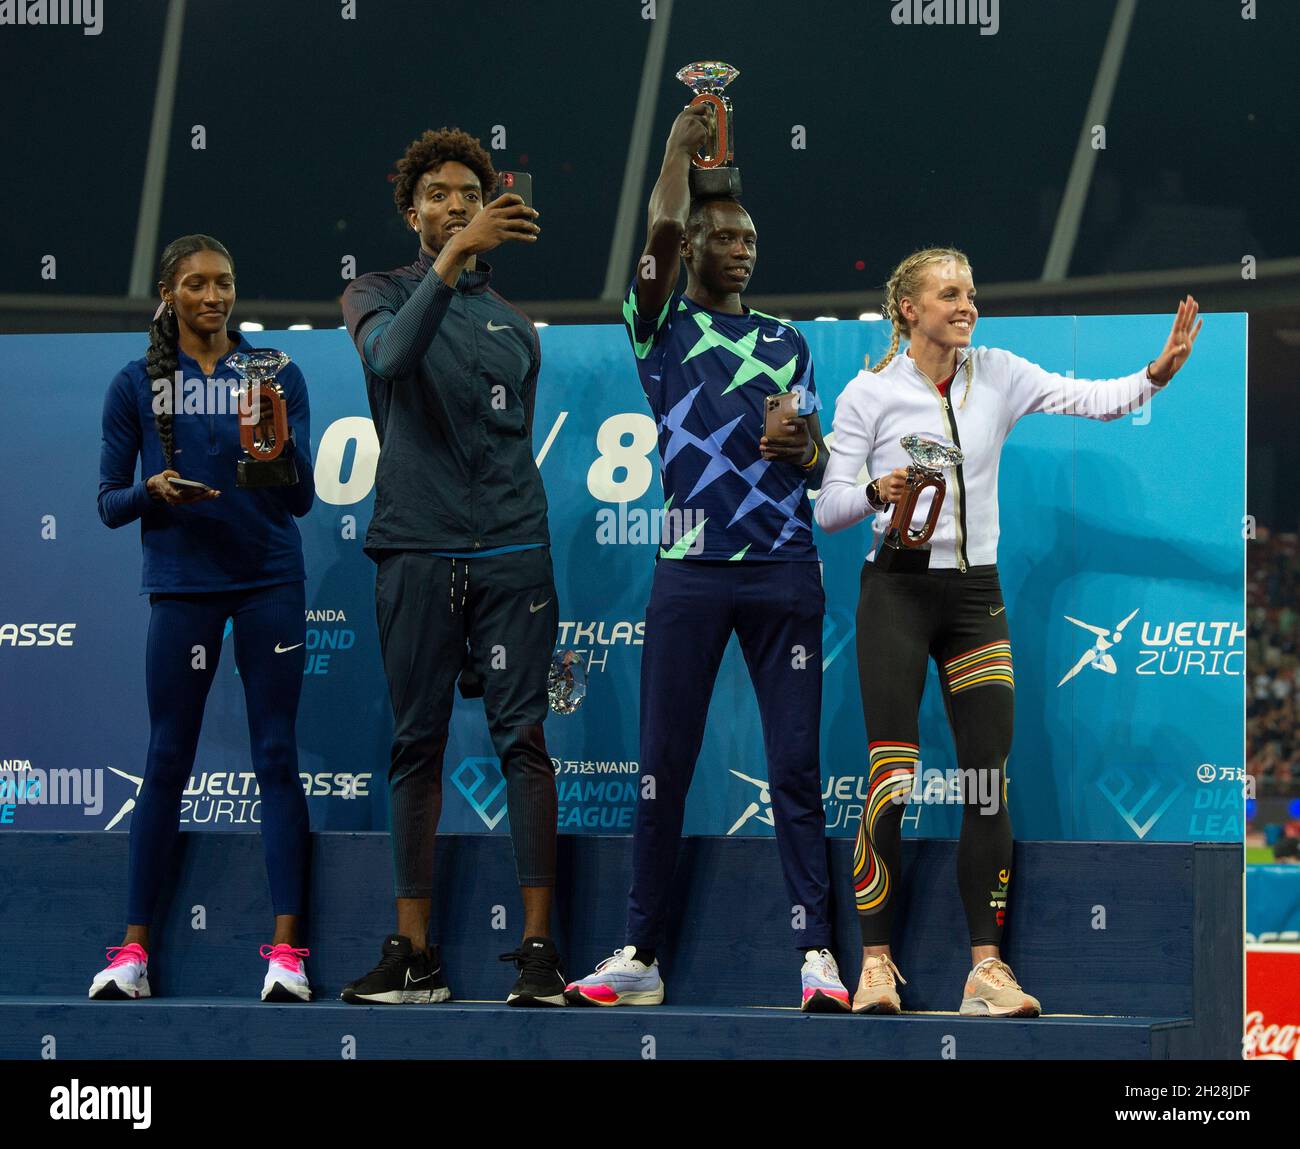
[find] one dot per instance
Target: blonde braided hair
(907, 281)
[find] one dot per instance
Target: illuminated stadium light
(825, 318)
(299, 326)
(251, 325)
(540, 324)
(871, 315)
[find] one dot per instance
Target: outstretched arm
(1034, 389)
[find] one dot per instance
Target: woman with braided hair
(212, 551)
(953, 610)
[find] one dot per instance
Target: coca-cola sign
(1272, 1003)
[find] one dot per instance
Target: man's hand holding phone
(506, 218)
(785, 432)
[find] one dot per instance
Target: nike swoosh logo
(533, 608)
(998, 611)
(285, 649)
(773, 338)
(493, 327)
(412, 980)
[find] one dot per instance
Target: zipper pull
(961, 565)
(945, 405)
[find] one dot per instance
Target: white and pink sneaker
(286, 978)
(125, 977)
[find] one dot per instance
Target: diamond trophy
(711, 171)
(263, 421)
(903, 548)
(566, 683)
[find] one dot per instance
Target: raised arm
(391, 339)
(670, 204)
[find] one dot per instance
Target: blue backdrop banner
(1122, 562)
(1272, 901)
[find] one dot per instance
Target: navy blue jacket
(451, 374)
(245, 538)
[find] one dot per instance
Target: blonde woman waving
(953, 610)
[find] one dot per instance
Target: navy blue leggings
(184, 647)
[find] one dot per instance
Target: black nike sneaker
(540, 980)
(402, 977)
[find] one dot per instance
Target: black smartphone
(516, 183)
(188, 484)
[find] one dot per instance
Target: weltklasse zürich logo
(37, 633)
(1098, 655)
(760, 805)
(1165, 649)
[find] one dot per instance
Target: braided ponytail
(163, 356)
(906, 282)
(161, 361)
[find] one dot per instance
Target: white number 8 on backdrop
(630, 458)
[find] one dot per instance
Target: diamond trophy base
(253, 473)
(711, 183)
(898, 559)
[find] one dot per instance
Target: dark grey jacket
(451, 376)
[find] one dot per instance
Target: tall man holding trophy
(733, 393)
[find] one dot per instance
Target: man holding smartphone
(460, 535)
(741, 559)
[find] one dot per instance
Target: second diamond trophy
(905, 549)
(263, 422)
(566, 683)
(712, 173)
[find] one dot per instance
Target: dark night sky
(915, 135)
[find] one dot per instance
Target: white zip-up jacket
(875, 411)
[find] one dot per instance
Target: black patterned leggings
(960, 621)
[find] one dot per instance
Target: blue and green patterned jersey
(706, 375)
